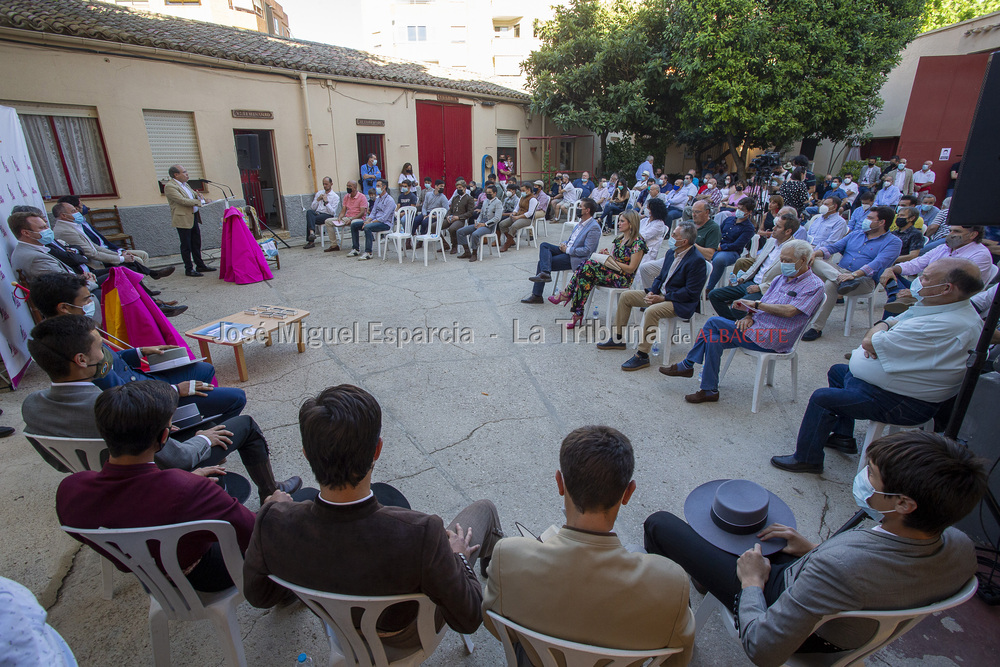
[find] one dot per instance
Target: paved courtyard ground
(462, 420)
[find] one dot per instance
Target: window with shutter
(173, 140)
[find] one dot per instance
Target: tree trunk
(599, 169)
(739, 159)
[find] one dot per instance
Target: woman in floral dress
(628, 249)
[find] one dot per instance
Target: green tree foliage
(939, 13)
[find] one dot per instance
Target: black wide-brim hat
(729, 513)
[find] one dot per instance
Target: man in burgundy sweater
(349, 541)
(131, 492)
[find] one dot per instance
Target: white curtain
(84, 154)
(44, 154)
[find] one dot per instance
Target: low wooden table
(268, 325)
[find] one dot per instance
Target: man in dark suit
(65, 294)
(674, 293)
(130, 492)
(70, 352)
(348, 542)
(580, 245)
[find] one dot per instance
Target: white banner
(17, 187)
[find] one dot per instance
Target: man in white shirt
(689, 188)
(903, 370)
(324, 206)
(902, 178)
(923, 179)
(850, 187)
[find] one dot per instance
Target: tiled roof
(112, 23)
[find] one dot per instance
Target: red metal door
(444, 141)
(939, 115)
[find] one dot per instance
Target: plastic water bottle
(597, 314)
(304, 660)
(655, 350)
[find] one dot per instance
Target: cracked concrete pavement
(461, 421)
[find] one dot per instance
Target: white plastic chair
(365, 649)
(402, 227)
(573, 654)
(572, 219)
(853, 301)
(613, 294)
(891, 626)
(490, 240)
(532, 237)
(433, 235)
(877, 429)
(79, 454)
(767, 360)
(540, 221)
(171, 597)
(321, 227)
(755, 244)
(673, 323)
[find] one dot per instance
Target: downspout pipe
(309, 133)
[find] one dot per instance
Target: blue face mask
(866, 225)
(863, 490)
(916, 287)
(46, 236)
(78, 218)
(788, 269)
(671, 242)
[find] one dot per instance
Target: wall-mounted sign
(447, 98)
(250, 113)
(369, 122)
(945, 154)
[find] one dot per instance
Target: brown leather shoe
(465, 254)
(507, 244)
(674, 370)
(332, 248)
(475, 257)
(702, 396)
(454, 250)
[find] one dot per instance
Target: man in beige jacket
(186, 218)
(581, 584)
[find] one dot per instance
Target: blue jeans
(810, 211)
(723, 297)
(610, 210)
(834, 410)
(371, 228)
(312, 219)
(420, 224)
(720, 260)
(550, 258)
(673, 214)
(717, 335)
(227, 402)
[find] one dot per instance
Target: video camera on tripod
(765, 162)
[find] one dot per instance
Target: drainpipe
(309, 133)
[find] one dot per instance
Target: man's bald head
(959, 279)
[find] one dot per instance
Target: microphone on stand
(220, 186)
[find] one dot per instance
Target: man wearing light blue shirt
(827, 227)
(860, 213)
(378, 220)
(645, 168)
(866, 254)
(889, 194)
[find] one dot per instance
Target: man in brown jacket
(186, 218)
(346, 541)
(460, 211)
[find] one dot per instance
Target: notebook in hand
(173, 358)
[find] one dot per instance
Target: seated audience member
(460, 211)
(585, 184)
(771, 324)
(689, 187)
(538, 188)
(353, 212)
(826, 226)
(903, 370)
(889, 194)
(653, 228)
(850, 188)
(928, 211)
(923, 179)
(654, 193)
(618, 271)
(130, 492)
(601, 194)
(736, 193)
(567, 197)
(407, 197)
(966, 242)
(474, 190)
(712, 194)
(556, 185)
(676, 292)
(706, 243)
(63, 294)
(511, 198)
(916, 485)
(26, 640)
(774, 206)
(32, 255)
(619, 200)
(393, 550)
(909, 201)
(523, 216)
(486, 223)
(737, 231)
(432, 200)
(537, 584)
(69, 350)
(859, 214)
(677, 199)
(424, 191)
(794, 191)
(765, 268)
(378, 220)
(865, 255)
(937, 231)
(580, 245)
(911, 238)
(323, 207)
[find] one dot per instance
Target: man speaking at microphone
(186, 218)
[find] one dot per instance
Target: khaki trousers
(650, 318)
(829, 272)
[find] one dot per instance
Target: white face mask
(847, 181)
(374, 162)
(824, 209)
(710, 186)
(863, 491)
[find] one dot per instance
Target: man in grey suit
(31, 257)
(581, 244)
(916, 485)
(70, 351)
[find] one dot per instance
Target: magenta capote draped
(145, 324)
(243, 261)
